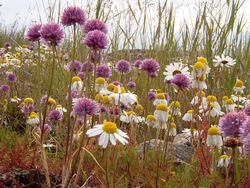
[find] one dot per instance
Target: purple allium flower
(26, 109)
(123, 67)
(247, 110)
(96, 39)
(5, 88)
(85, 106)
(7, 45)
(52, 34)
(246, 143)
(55, 115)
(181, 81)
(131, 84)
(95, 24)
(167, 97)
(231, 123)
(245, 128)
(73, 15)
(43, 100)
(114, 111)
(46, 129)
(151, 96)
(117, 83)
(89, 66)
(103, 109)
(11, 77)
(74, 94)
(150, 66)
(76, 67)
(33, 33)
(153, 74)
(138, 63)
(30, 47)
(103, 71)
(81, 75)
(96, 56)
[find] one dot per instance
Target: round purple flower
(181, 81)
(167, 97)
(131, 84)
(103, 71)
(5, 88)
(81, 75)
(46, 129)
(151, 96)
(52, 34)
(85, 106)
(28, 108)
(33, 33)
(11, 77)
(103, 109)
(247, 110)
(7, 45)
(55, 115)
(73, 15)
(246, 144)
(114, 111)
(76, 67)
(43, 100)
(74, 94)
(96, 39)
(153, 74)
(150, 66)
(117, 83)
(123, 67)
(95, 24)
(245, 128)
(89, 66)
(138, 63)
(231, 123)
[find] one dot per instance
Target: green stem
(106, 167)
(236, 167)
(93, 92)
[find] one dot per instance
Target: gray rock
(150, 145)
(182, 152)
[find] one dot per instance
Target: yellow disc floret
(100, 80)
(162, 107)
(199, 65)
(139, 108)
(123, 90)
(211, 98)
(28, 100)
(98, 97)
(229, 101)
(225, 98)
(224, 157)
(33, 115)
(213, 131)
(160, 96)
(111, 87)
(190, 111)
(109, 127)
(238, 83)
(202, 59)
(52, 101)
(76, 79)
(172, 125)
(150, 118)
(129, 113)
(176, 104)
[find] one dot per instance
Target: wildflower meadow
(101, 97)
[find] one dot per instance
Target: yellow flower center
(229, 101)
(172, 125)
(224, 157)
(76, 78)
(176, 104)
(51, 101)
(160, 96)
(158, 91)
(99, 97)
(225, 98)
(131, 113)
(109, 127)
(111, 87)
(150, 118)
(213, 131)
(199, 65)
(211, 98)
(238, 83)
(202, 59)
(105, 100)
(139, 108)
(28, 100)
(202, 78)
(248, 96)
(190, 111)
(100, 80)
(33, 115)
(123, 90)
(59, 106)
(162, 107)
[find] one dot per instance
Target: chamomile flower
(188, 116)
(108, 131)
(150, 120)
(161, 113)
(223, 161)
(172, 129)
(33, 119)
(239, 87)
(199, 83)
(100, 84)
(189, 132)
(224, 61)
(131, 117)
(230, 105)
(199, 98)
(77, 84)
(176, 68)
(213, 111)
(160, 99)
(214, 137)
(61, 109)
(175, 108)
(15, 99)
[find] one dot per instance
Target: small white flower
(214, 137)
(224, 61)
(33, 119)
(131, 117)
(224, 161)
(176, 68)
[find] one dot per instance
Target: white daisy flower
(214, 137)
(131, 117)
(77, 84)
(15, 99)
(199, 84)
(223, 161)
(150, 120)
(161, 113)
(108, 131)
(175, 108)
(160, 99)
(172, 129)
(239, 87)
(61, 109)
(199, 99)
(188, 116)
(230, 105)
(100, 84)
(33, 119)
(176, 68)
(224, 61)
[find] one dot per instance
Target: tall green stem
(236, 167)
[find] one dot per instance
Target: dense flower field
(71, 120)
